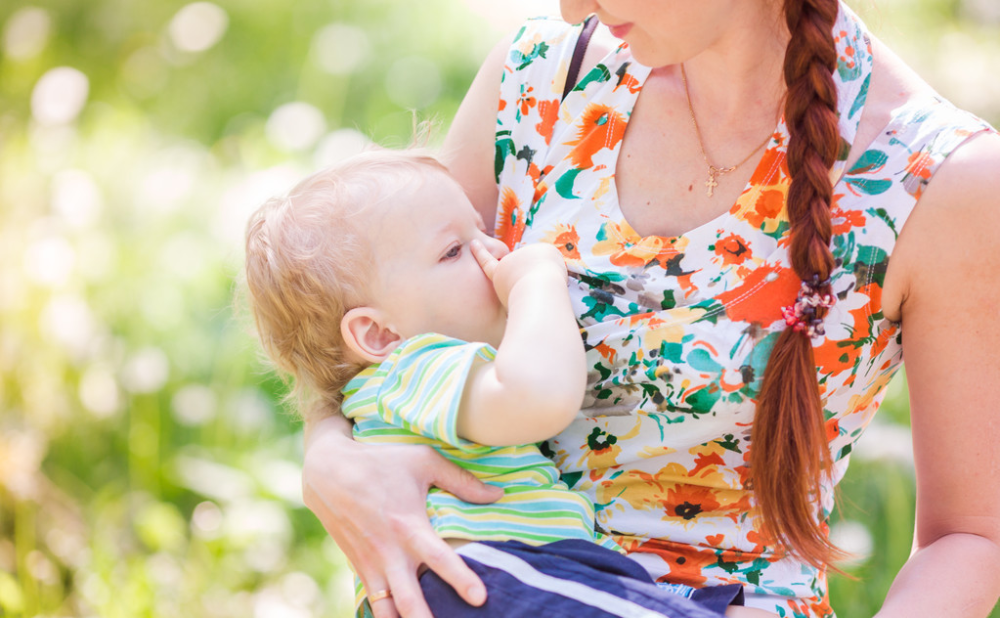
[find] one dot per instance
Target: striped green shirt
(413, 397)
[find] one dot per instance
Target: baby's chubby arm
(534, 388)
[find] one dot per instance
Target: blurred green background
(146, 466)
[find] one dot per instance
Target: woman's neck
(739, 77)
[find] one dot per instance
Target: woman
(721, 383)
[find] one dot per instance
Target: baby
(374, 285)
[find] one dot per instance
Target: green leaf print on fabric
(730, 443)
(564, 184)
(872, 161)
(869, 186)
(598, 74)
(571, 478)
(522, 60)
(702, 400)
(859, 101)
(600, 439)
(843, 248)
(504, 148)
(848, 72)
(884, 216)
(702, 361)
(668, 302)
(871, 265)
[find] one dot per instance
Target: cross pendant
(711, 183)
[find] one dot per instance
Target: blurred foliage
(146, 468)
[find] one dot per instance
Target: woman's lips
(620, 30)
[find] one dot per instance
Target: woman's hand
(372, 500)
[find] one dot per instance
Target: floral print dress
(678, 330)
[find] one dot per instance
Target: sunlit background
(146, 466)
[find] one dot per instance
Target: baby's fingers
(486, 260)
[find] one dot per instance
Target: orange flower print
(920, 164)
(773, 287)
(844, 221)
(767, 209)
(625, 246)
(733, 249)
(565, 238)
(689, 501)
(525, 102)
(549, 111)
(598, 128)
(510, 224)
(684, 561)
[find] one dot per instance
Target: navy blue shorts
(569, 579)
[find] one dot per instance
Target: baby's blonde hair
(308, 261)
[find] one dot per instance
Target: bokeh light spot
(340, 49)
(26, 33)
(413, 82)
(59, 96)
(295, 126)
(198, 26)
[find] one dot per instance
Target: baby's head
(361, 256)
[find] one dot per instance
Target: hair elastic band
(804, 315)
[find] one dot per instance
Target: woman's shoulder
(897, 94)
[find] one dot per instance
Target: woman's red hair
(790, 455)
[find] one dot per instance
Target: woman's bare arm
(470, 145)
(949, 256)
(372, 500)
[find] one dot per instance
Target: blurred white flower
(26, 33)
(21, 455)
(68, 320)
(413, 82)
(249, 410)
(76, 197)
(145, 72)
(164, 570)
(99, 392)
(213, 479)
(281, 478)
(198, 26)
(97, 253)
(245, 195)
(300, 589)
(93, 589)
(185, 255)
(146, 371)
(41, 568)
(854, 538)
(69, 545)
(206, 520)
(295, 126)
(339, 145)
(59, 96)
(269, 603)
(884, 441)
(172, 177)
(248, 521)
(265, 555)
(194, 404)
(12, 293)
(49, 261)
(340, 48)
(163, 306)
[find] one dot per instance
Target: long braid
(790, 455)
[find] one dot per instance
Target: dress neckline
(852, 77)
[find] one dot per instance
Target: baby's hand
(539, 259)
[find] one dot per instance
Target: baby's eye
(453, 252)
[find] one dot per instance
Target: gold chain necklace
(713, 172)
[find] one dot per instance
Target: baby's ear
(368, 335)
